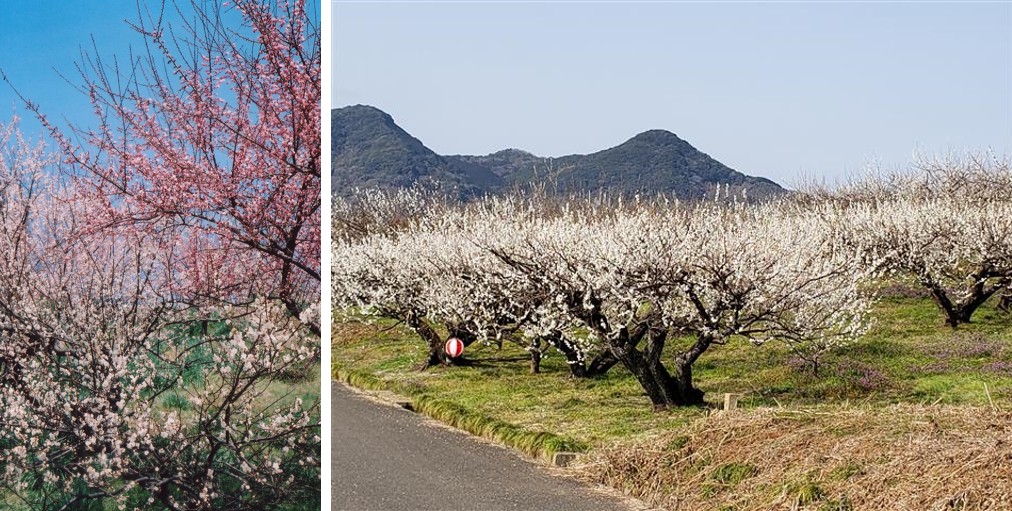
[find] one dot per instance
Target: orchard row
(608, 281)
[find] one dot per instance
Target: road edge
(542, 446)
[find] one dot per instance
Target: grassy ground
(908, 357)
(913, 416)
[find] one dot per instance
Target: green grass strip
(537, 444)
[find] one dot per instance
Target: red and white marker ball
(454, 347)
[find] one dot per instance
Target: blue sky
(41, 39)
(783, 90)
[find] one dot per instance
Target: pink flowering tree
(159, 279)
(212, 131)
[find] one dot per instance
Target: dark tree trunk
(601, 363)
(688, 394)
(535, 350)
(1005, 303)
(655, 380)
(576, 365)
(683, 370)
(437, 352)
(578, 368)
(466, 335)
(961, 311)
(436, 356)
(663, 390)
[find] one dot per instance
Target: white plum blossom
(615, 278)
(94, 342)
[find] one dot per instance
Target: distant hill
(370, 150)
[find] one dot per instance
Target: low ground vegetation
(823, 458)
(904, 358)
(908, 394)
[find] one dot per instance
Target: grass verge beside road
(909, 368)
(534, 443)
(826, 458)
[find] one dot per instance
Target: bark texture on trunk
(463, 332)
(664, 389)
(683, 370)
(961, 311)
(601, 364)
(578, 366)
(437, 355)
(658, 384)
(1005, 303)
(535, 361)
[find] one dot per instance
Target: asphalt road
(387, 458)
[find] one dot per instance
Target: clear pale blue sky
(781, 90)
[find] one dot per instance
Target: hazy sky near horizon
(781, 90)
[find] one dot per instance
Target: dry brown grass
(901, 457)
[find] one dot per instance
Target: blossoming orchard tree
(620, 282)
(214, 131)
(93, 343)
(961, 253)
(159, 277)
(417, 268)
(713, 272)
(948, 225)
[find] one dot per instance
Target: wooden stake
(731, 401)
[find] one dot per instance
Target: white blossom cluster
(949, 227)
(606, 275)
(93, 342)
(599, 270)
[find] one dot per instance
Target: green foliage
(678, 443)
(175, 400)
(727, 476)
(733, 473)
(840, 504)
(805, 491)
(844, 472)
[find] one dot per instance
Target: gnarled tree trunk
(1005, 303)
(683, 370)
(960, 311)
(436, 356)
(535, 350)
(664, 390)
(601, 364)
(578, 367)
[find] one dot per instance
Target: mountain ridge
(371, 151)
